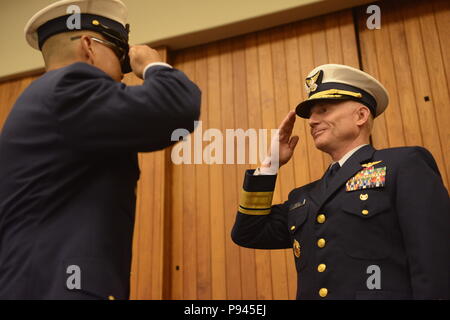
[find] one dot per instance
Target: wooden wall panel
(261, 258)
(216, 183)
(149, 243)
(410, 56)
(247, 82)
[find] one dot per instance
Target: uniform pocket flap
(297, 218)
(366, 204)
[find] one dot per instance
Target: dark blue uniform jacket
(381, 230)
(68, 173)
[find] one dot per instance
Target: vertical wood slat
(177, 222)
(202, 188)
(262, 257)
(189, 244)
(441, 10)
(238, 59)
(233, 261)
(216, 181)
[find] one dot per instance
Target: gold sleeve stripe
(255, 212)
(256, 200)
(334, 93)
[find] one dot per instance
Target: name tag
(297, 205)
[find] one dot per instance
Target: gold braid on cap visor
(334, 93)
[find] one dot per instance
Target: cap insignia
(312, 83)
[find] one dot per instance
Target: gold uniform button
(321, 243)
(321, 267)
(323, 292)
(364, 197)
(292, 228)
(111, 298)
(321, 218)
(365, 212)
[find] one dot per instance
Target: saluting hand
(141, 57)
(284, 141)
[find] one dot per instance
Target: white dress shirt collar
(348, 155)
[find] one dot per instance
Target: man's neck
(56, 66)
(337, 155)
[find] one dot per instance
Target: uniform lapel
(316, 192)
(350, 168)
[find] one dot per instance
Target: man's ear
(362, 114)
(87, 51)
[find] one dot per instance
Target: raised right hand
(141, 57)
(286, 143)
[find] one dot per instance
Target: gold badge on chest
(371, 164)
(296, 248)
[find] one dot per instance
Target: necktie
(331, 173)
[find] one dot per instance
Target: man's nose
(313, 120)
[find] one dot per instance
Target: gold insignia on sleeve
(370, 164)
(255, 203)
